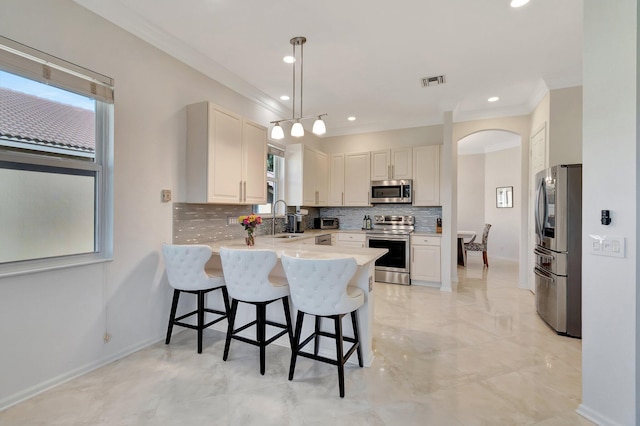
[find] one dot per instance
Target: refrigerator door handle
(538, 223)
(544, 254)
(539, 272)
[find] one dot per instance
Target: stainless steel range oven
(392, 233)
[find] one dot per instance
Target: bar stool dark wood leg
(231, 319)
(356, 335)
(316, 345)
(338, 322)
(261, 326)
(287, 317)
(296, 345)
(172, 315)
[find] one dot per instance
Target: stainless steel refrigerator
(558, 251)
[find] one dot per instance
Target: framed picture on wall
(504, 197)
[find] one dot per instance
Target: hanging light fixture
(297, 130)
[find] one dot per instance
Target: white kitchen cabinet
(346, 239)
(349, 179)
(226, 157)
(426, 175)
(336, 180)
(425, 259)
(306, 175)
(357, 184)
(395, 163)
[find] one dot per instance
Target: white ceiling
(366, 57)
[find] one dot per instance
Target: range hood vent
(433, 81)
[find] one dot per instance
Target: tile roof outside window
(28, 118)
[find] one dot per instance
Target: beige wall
(503, 169)
(471, 174)
(428, 135)
(565, 126)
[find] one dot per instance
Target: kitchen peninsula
(299, 246)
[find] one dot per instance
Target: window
(55, 158)
(275, 182)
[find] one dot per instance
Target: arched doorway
(489, 161)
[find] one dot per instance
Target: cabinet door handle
(244, 191)
(240, 192)
(393, 171)
(343, 198)
(389, 171)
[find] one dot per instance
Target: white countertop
(294, 247)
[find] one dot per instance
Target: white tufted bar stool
(320, 288)
(185, 271)
(246, 272)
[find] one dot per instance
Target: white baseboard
(34, 390)
(595, 417)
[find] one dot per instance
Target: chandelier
(319, 128)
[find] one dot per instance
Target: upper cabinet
(336, 180)
(426, 175)
(306, 175)
(226, 157)
(395, 163)
(356, 179)
(349, 183)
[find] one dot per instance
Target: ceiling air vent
(433, 81)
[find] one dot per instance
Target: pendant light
(297, 130)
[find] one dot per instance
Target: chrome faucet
(273, 207)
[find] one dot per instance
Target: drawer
(425, 241)
(361, 238)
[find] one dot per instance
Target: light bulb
(319, 127)
(277, 133)
(518, 3)
(297, 130)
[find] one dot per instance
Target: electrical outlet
(107, 337)
(166, 195)
(232, 220)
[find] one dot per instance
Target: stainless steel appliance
(295, 223)
(391, 191)
(558, 251)
(392, 233)
(326, 223)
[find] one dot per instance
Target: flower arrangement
(250, 223)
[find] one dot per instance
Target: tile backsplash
(204, 223)
(351, 217)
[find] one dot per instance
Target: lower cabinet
(345, 239)
(425, 259)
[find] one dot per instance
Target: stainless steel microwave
(391, 191)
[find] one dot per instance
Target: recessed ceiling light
(493, 99)
(289, 59)
(518, 3)
(352, 118)
(285, 97)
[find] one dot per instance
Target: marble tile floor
(478, 356)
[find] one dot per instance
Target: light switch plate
(608, 245)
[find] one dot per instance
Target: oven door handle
(387, 237)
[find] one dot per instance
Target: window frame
(102, 164)
(278, 181)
